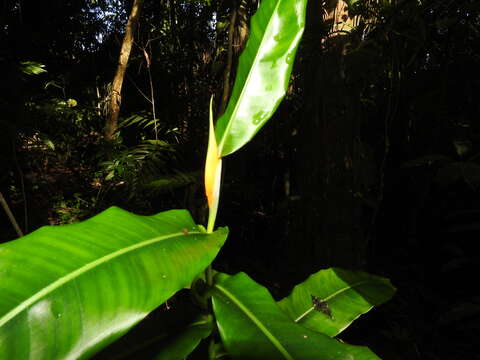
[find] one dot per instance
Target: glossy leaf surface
(263, 72)
(330, 300)
(252, 326)
(67, 291)
(185, 342)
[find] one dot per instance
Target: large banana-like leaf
(67, 291)
(263, 72)
(330, 300)
(252, 326)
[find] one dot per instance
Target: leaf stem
(212, 215)
(209, 275)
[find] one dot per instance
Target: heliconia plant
(68, 291)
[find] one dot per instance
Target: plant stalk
(10, 215)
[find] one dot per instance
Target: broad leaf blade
(185, 343)
(341, 297)
(67, 291)
(252, 326)
(263, 72)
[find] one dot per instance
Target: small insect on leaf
(185, 231)
(321, 306)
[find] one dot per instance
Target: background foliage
(371, 162)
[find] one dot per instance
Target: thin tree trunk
(228, 67)
(115, 96)
(4, 204)
(237, 37)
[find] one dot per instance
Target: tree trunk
(228, 67)
(12, 219)
(237, 37)
(115, 95)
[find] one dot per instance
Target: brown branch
(10, 215)
(152, 100)
(22, 184)
(115, 98)
(228, 68)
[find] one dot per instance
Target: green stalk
(212, 215)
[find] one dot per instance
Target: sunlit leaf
(330, 300)
(68, 291)
(263, 72)
(252, 326)
(32, 67)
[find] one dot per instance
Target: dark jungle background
(371, 162)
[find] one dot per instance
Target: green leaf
(263, 72)
(32, 67)
(182, 345)
(166, 183)
(67, 291)
(252, 326)
(330, 300)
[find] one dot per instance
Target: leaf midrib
(346, 288)
(82, 270)
(256, 322)
(255, 62)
